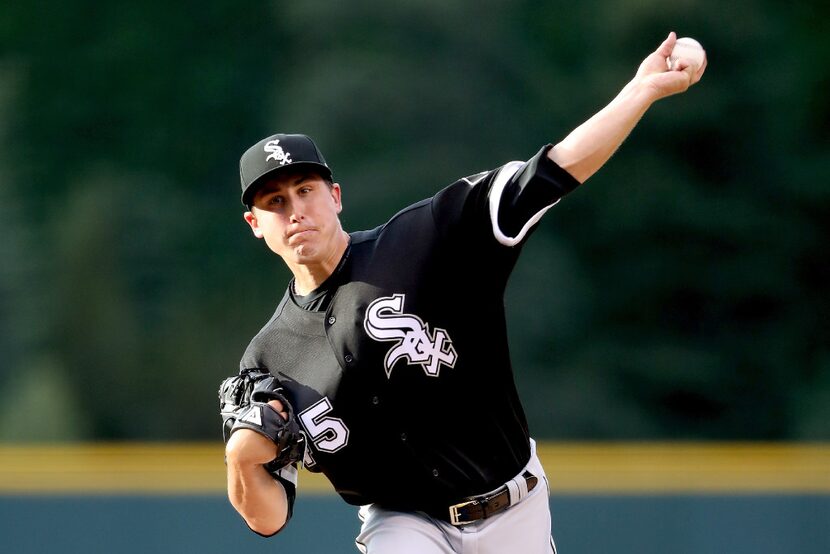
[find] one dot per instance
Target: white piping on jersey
(505, 174)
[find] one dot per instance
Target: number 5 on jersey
(329, 434)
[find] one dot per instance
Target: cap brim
(250, 191)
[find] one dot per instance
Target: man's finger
(701, 69)
(667, 46)
(279, 408)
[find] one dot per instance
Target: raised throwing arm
(590, 145)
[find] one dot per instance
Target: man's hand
(254, 401)
(247, 447)
(655, 76)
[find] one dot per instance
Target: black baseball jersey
(402, 382)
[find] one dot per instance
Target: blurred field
(574, 468)
(621, 497)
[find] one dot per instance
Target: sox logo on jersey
(385, 321)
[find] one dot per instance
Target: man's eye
(305, 190)
(275, 200)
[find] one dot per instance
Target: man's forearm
(590, 145)
(258, 497)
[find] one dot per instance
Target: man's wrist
(247, 448)
(639, 93)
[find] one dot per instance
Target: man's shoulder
(370, 235)
(424, 206)
(361, 237)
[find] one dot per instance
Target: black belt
(483, 506)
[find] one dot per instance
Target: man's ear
(251, 220)
(337, 195)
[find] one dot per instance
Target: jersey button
(375, 400)
(349, 358)
(403, 437)
(435, 473)
(332, 319)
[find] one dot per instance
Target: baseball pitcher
(384, 370)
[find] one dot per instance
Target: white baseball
(688, 49)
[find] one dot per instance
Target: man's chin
(303, 254)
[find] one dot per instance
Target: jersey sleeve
(503, 205)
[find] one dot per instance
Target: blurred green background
(681, 294)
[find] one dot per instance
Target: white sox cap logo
(385, 321)
(276, 152)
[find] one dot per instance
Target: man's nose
(295, 212)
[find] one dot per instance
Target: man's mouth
(299, 233)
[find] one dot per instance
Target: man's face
(296, 214)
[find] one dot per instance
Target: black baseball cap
(276, 153)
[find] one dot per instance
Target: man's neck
(308, 277)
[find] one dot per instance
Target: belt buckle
(455, 517)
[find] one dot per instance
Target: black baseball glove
(243, 404)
